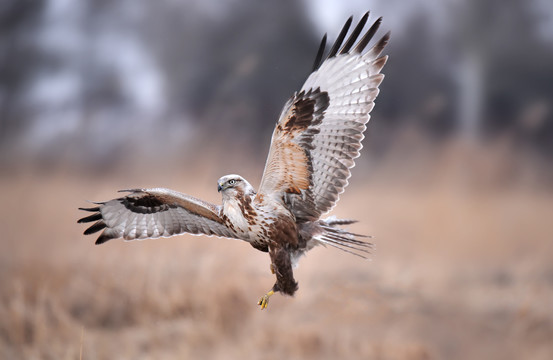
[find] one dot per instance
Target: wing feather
(340, 39)
(354, 34)
(309, 164)
(154, 213)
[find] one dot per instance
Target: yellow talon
(272, 269)
(264, 301)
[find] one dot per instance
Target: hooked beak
(219, 188)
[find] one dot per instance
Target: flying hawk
(316, 139)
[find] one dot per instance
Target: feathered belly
(262, 224)
(275, 230)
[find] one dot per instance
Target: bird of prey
(315, 141)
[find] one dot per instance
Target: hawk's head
(234, 186)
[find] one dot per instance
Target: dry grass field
(463, 269)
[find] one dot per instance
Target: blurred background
(455, 180)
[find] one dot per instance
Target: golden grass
(463, 269)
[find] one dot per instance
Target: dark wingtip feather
(95, 228)
(102, 239)
(338, 49)
(368, 36)
(92, 209)
(340, 38)
(383, 41)
(319, 57)
(354, 34)
(91, 218)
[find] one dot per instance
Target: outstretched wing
(154, 213)
(319, 132)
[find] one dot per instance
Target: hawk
(315, 141)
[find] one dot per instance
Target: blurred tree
(233, 68)
(19, 57)
(418, 81)
(504, 65)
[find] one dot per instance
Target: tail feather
(324, 242)
(332, 221)
(342, 239)
(340, 231)
(348, 238)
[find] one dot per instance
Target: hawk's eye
(231, 182)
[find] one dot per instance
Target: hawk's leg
(281, 266)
